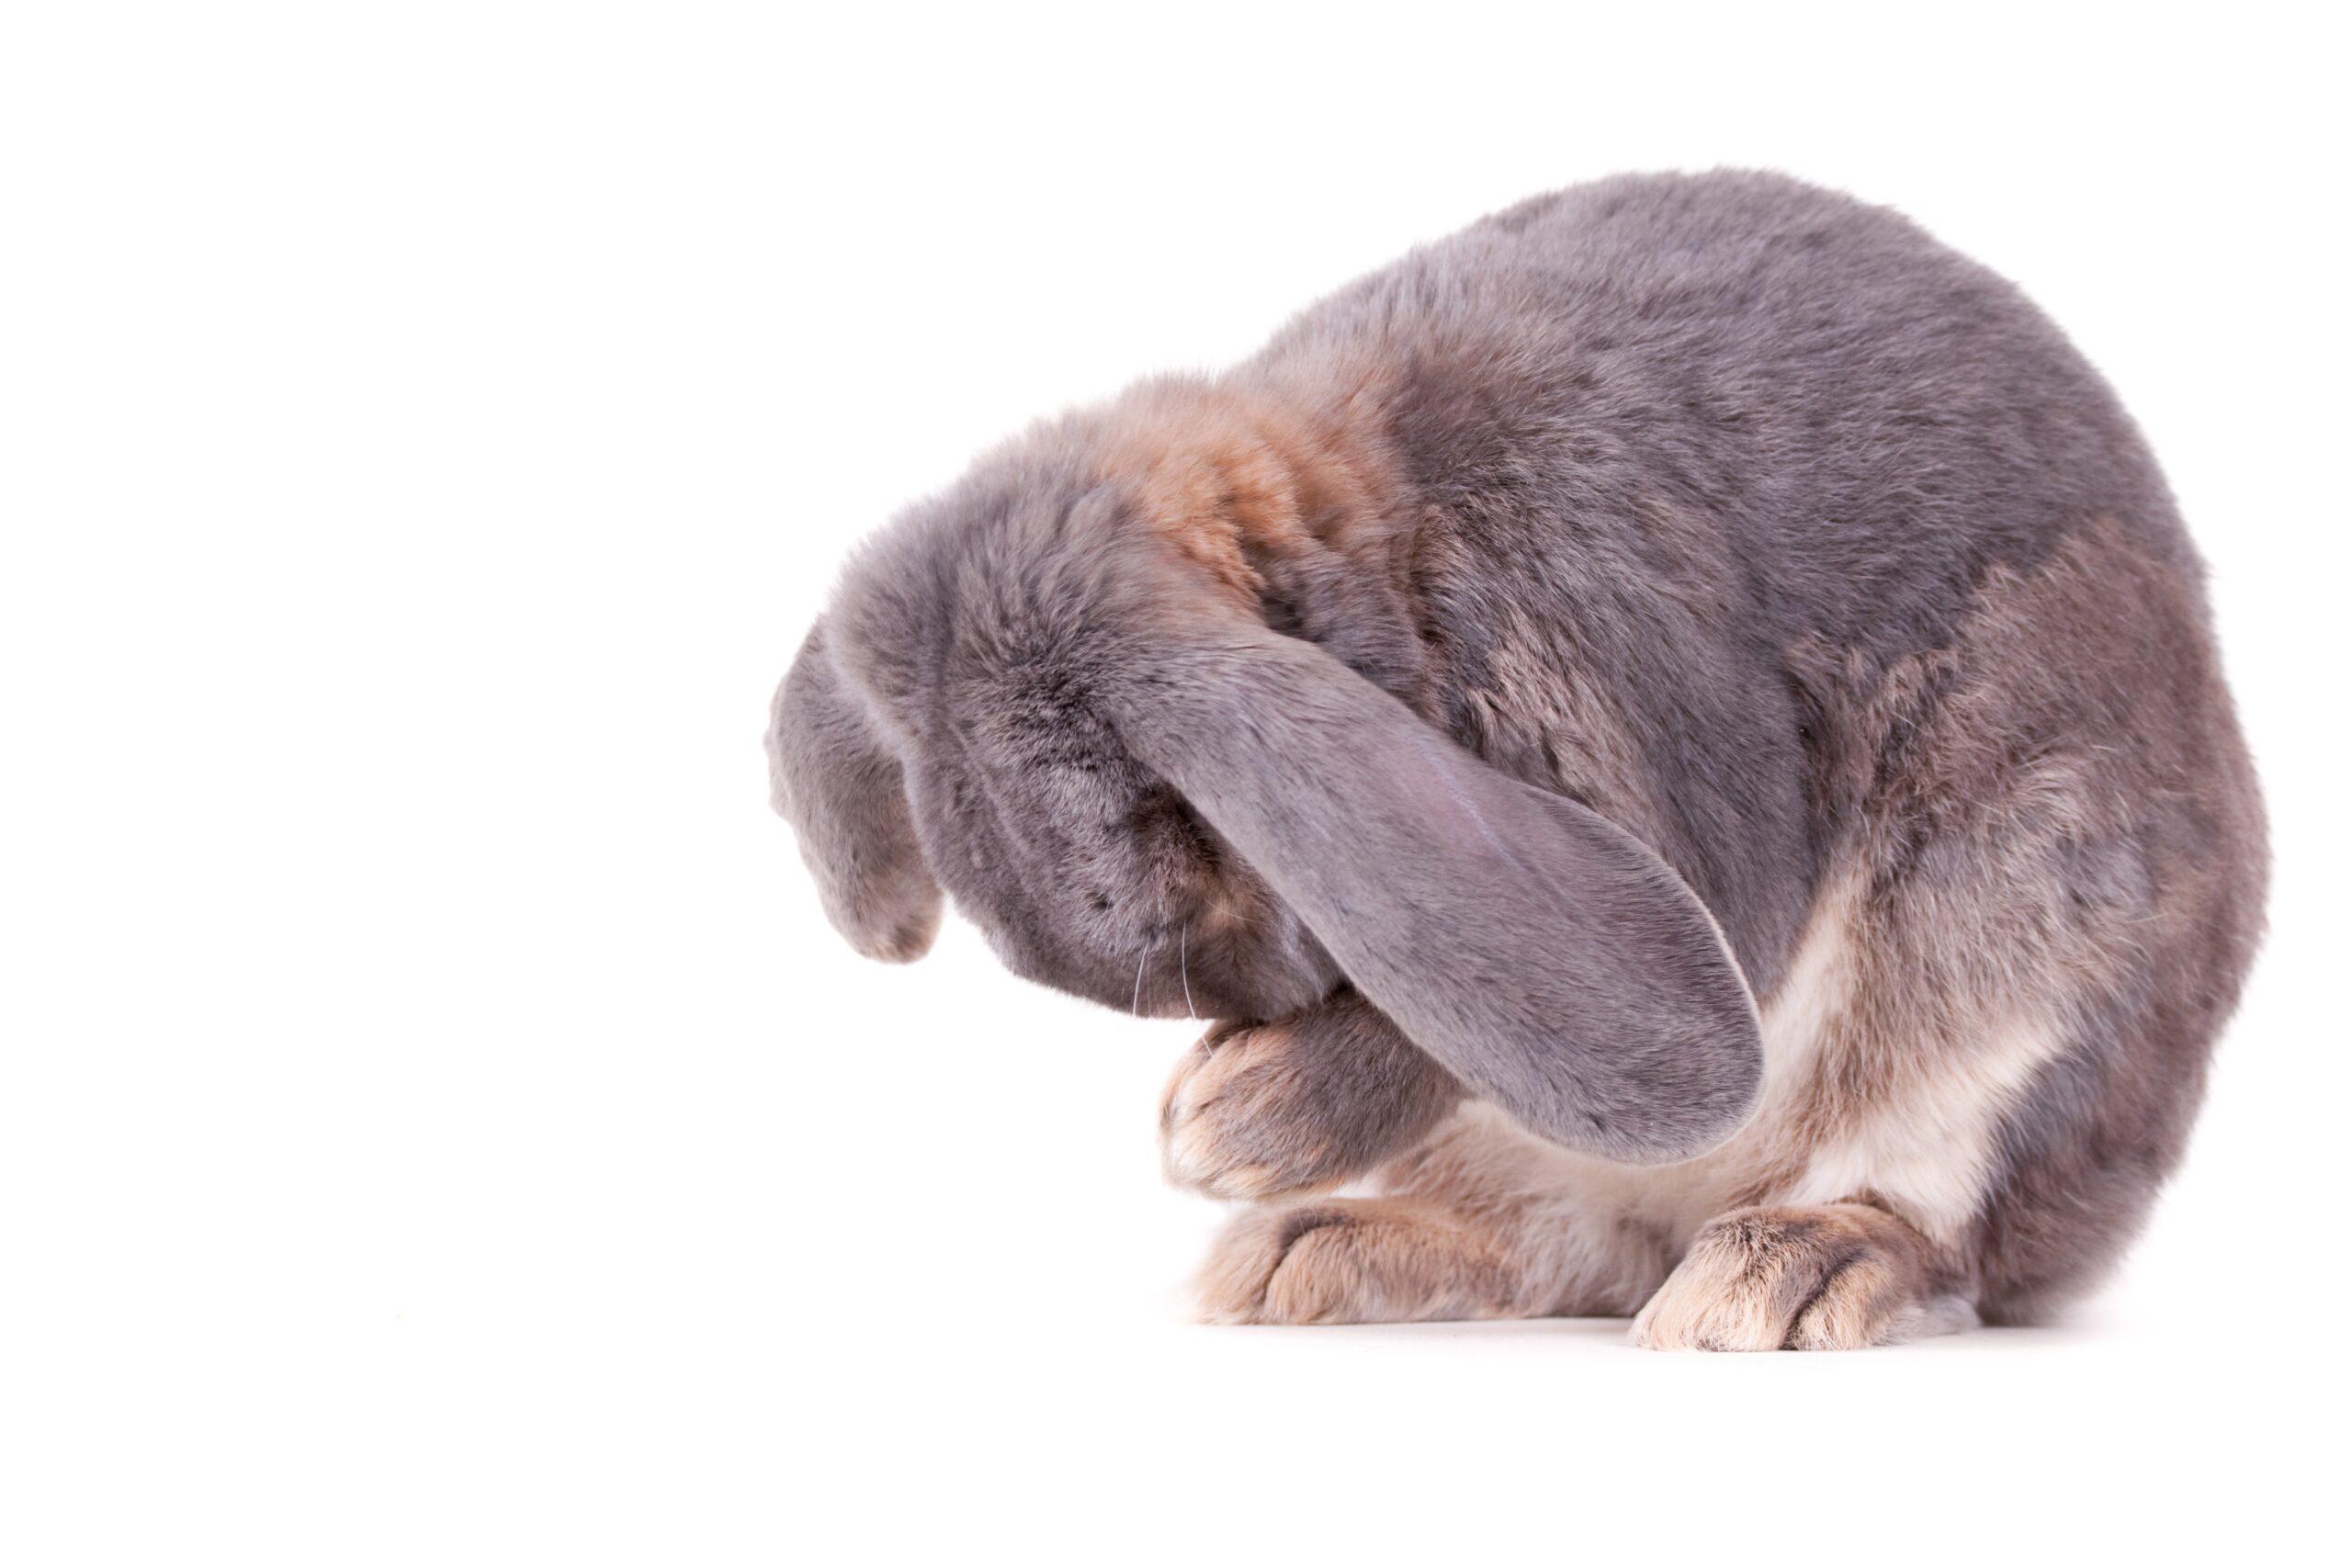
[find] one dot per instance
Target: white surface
(436, 1125)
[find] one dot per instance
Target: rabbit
(1678, 731)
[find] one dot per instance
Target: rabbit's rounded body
(1721, 521)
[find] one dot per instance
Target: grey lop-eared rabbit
(1678, 727)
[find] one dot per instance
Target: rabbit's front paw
(1300, 1105)
(1240, 1120)
(1839, 1277)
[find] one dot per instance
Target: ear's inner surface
(1543, 955)
(845, 793)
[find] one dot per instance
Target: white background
(437, 1125)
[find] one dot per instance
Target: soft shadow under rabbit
(1677, 726)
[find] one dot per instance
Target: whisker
(1135, 1007)
(1184, 968)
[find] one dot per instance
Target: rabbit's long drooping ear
(1546, 957)
(845, 796)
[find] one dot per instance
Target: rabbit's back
(1871, 418)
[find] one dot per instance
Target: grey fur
(830, 774)
(1725, 536)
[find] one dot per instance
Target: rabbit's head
(1031, 694)
(955, 723)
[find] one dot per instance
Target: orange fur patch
(1236, 477)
